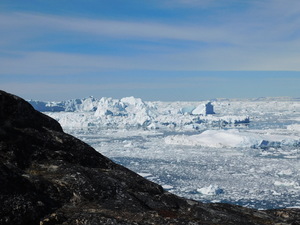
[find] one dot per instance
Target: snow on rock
(167, 187)
(145, 175)
(233, 139)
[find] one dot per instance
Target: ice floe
(131, 112)
(294, 127)
(233, 139)
(197, 156)
(210, 190)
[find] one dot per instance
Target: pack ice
(234, 139)
(243, 152)
(130, 112)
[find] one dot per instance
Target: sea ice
(255, 163)
(232, 139)
(204, 109)
(133, 112)
(294, 127)
(286, 183)
(210, 190)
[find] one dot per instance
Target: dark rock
(49, 177)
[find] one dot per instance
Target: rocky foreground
(49, 177)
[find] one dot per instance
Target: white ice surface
(233, 138)
(251, 177)
(132, 112)
(210, 190)
(294, 127)
(211, 164)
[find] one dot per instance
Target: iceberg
(110, 107)
(131, 112)
(73, 105)
(202, 109)
(255, 166)
(294, 127)
(233, 139)
(210, 190)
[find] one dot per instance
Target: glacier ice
(73, 105)
(204, 109)
(134, 112)
(247, 153)
(201, 109)
(294, 127)
(210, 190)
(233, 139)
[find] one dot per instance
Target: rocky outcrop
(49, 177)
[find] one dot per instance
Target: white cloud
(187, 3)
(265, 37)
(48, 63)
(34, 24)
(241, 30)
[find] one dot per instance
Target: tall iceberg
(204, 109)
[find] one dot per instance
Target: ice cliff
(133, 112)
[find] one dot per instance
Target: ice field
(243, 152)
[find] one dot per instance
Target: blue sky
(156, 50)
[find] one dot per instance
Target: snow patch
(145, 175)
(167, 187)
